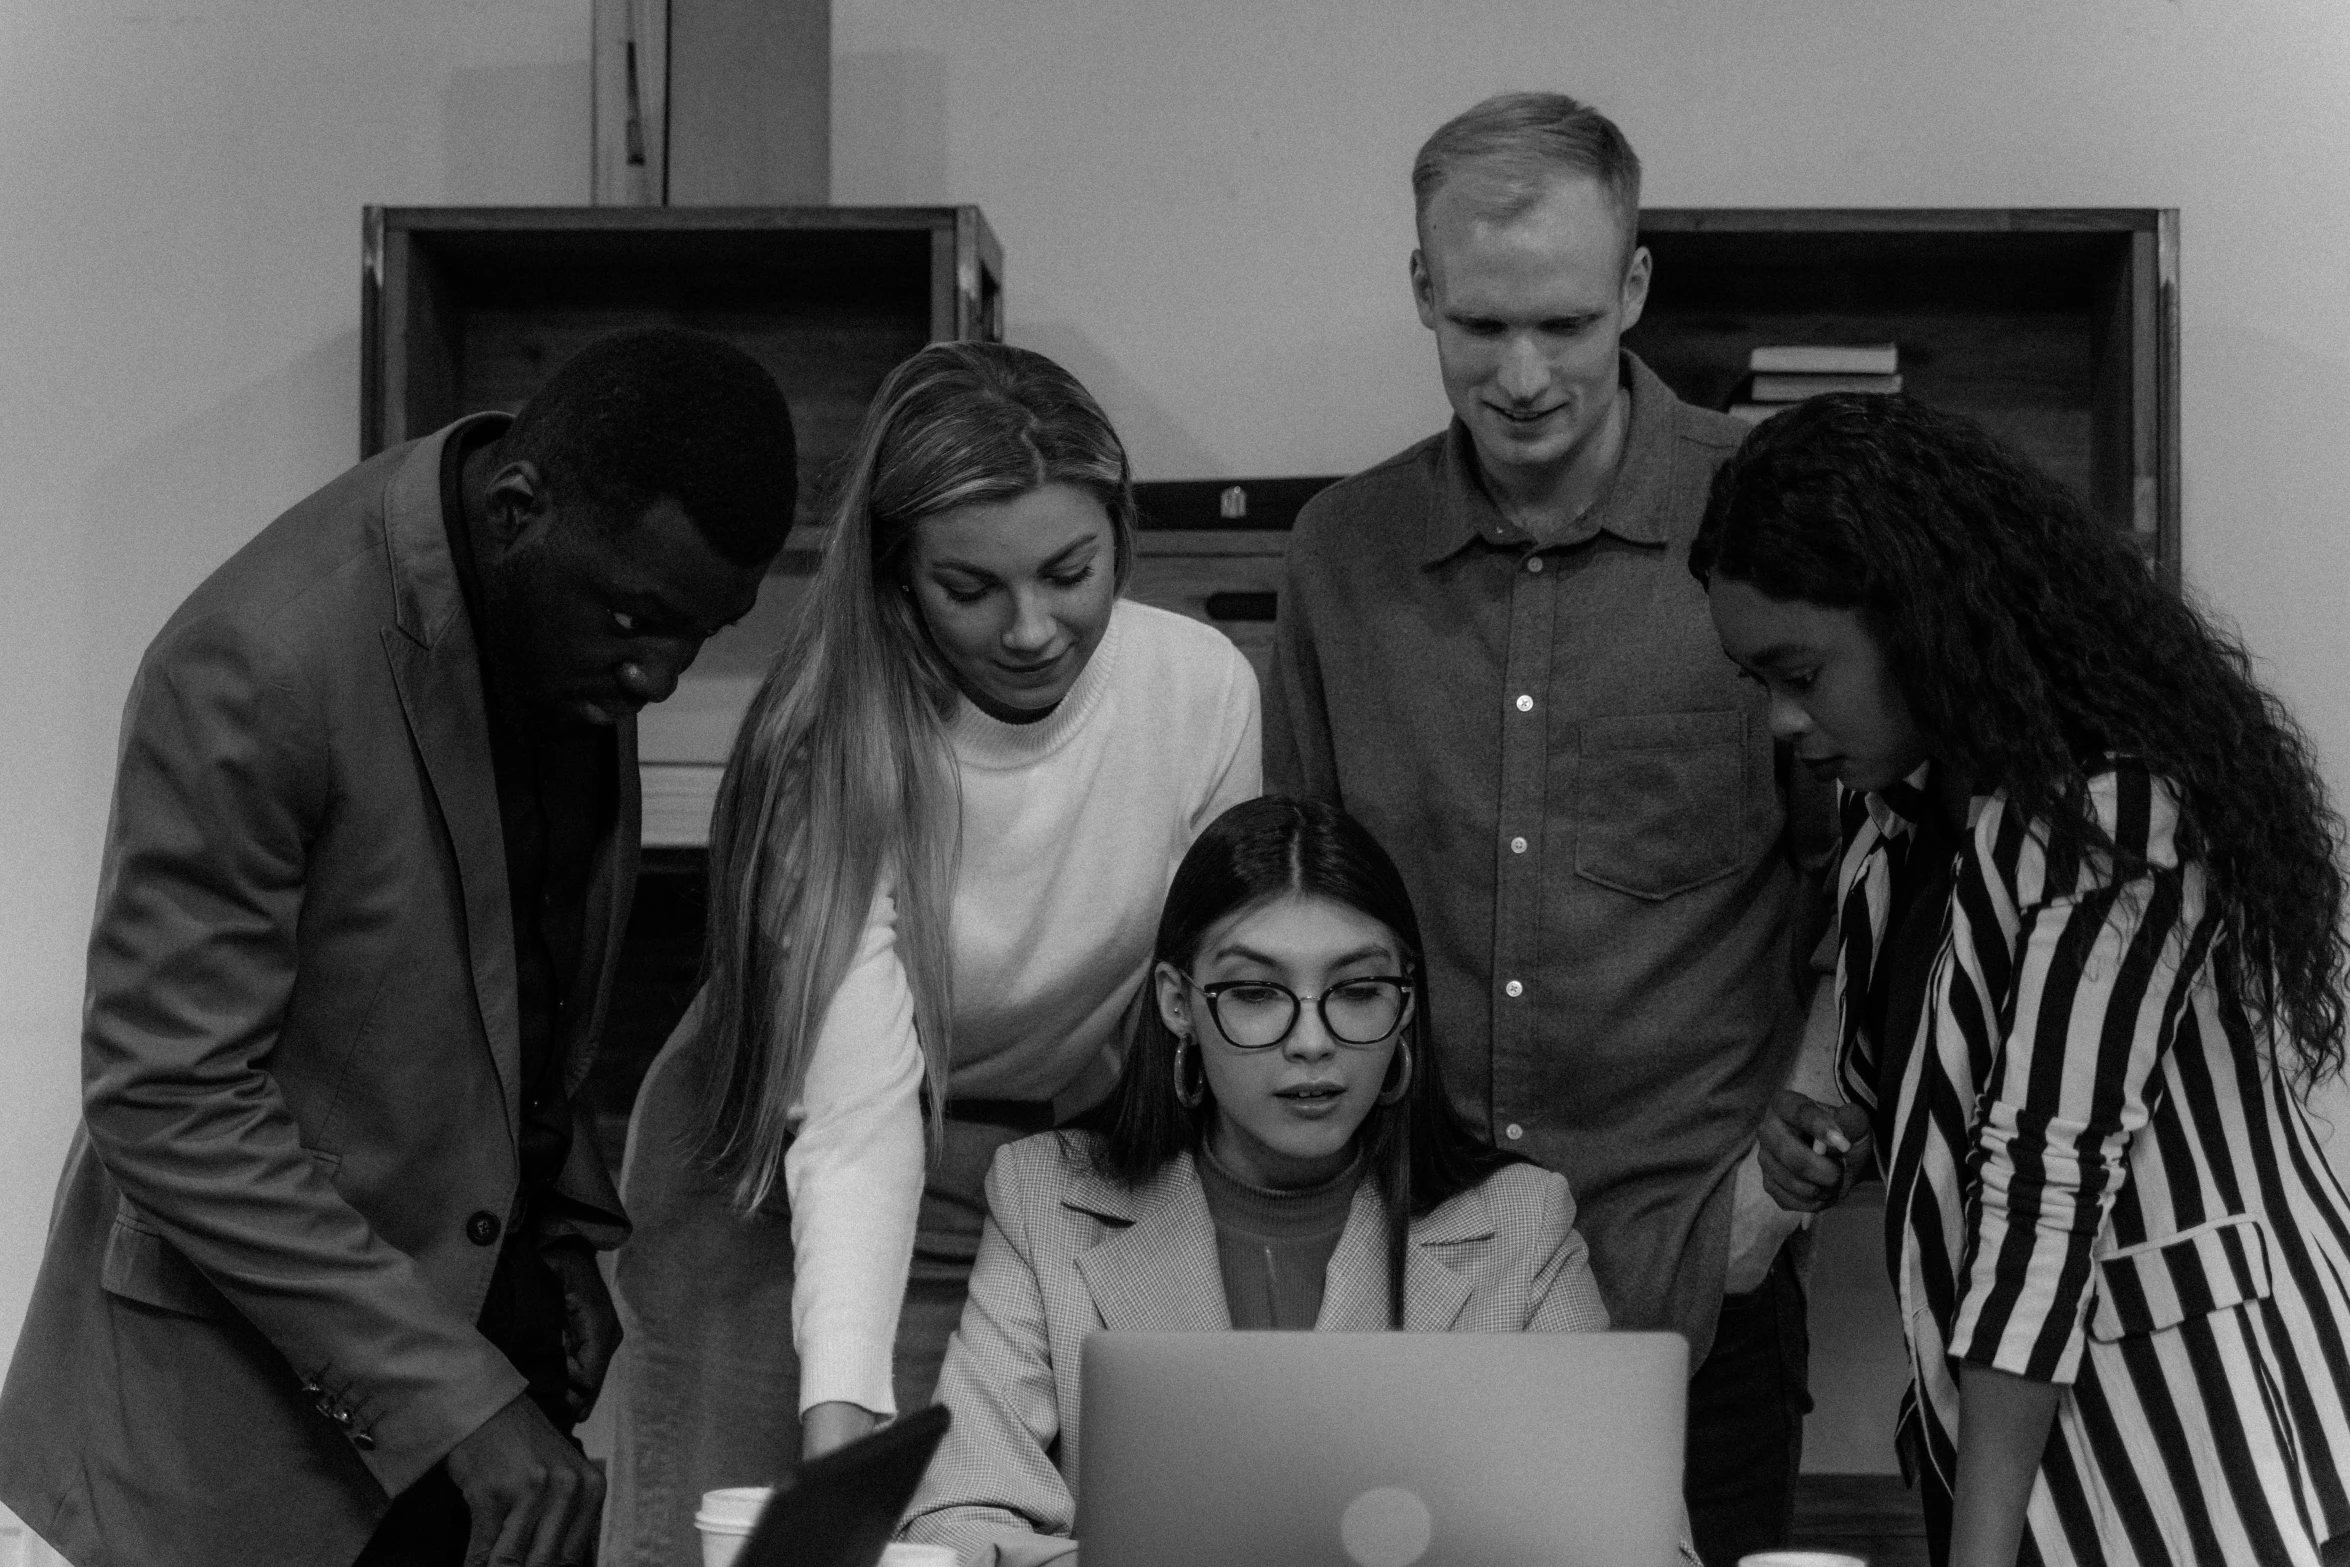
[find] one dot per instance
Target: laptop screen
(1381, 1449)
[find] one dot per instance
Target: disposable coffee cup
(1800, 1559)
(907, 1554)
(727, 1519)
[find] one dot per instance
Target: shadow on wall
(889, 144)
(158, 520)
(504, 127)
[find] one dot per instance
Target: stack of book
(1784, 374)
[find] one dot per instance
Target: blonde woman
(935, 869)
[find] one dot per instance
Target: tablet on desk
(841, 1509)
(1382, 1449)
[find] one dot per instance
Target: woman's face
(1017, 593)
(1285, 1115)
(1833, 698)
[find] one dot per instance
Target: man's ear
(1423, 290)
(517, 503)
(1174, 1003)
(1635, 294)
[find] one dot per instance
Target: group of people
(1599, 734)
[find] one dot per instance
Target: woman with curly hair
(2091, 966)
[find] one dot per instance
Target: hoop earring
(1188, 1095)
(1393, 1093)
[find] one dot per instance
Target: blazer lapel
(1354, 1286)
(1354, 1296)
(1159, 1274)
(436, 666)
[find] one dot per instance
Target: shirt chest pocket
(1660, 801)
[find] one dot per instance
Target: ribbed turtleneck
(992, 745)
(1274, 1246)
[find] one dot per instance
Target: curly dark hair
(2031, 642)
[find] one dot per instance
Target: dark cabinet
(466, 308)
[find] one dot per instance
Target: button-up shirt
(1591, 816)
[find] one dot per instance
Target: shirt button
(1513, 1131)
(1517, 846)
(1534, 563)
(482, 1228)
(1525, 704)
(1513, 988)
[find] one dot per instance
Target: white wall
(1204, 213)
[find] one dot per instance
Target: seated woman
(2091, 966)
(1278, 1154)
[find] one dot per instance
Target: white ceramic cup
(905, 1553)
(1800, 1559)
(727, 1519)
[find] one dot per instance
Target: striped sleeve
(2101, 968)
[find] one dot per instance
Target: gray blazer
(1066, 1253)
(254, 1322)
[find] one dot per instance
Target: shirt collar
(1631, 504)
(1898, 808)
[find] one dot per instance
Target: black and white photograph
(1310, 783)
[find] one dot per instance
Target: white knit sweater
(1072, 827)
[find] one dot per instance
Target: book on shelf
(1756, 413)
(1825, 359)
(1793, 388)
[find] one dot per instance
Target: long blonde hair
(841, 774)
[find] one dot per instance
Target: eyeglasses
(1257, 1014)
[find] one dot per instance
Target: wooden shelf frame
(2057, 327)
(468, 307)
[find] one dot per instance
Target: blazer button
(362, 1441)
(482, 1229)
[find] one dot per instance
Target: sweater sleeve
(1240, 774)
(854, 1174)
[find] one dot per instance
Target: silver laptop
(1381, 1449)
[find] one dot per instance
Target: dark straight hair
(1419, 1149)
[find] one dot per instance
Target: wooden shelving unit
(466, 308)
(2058, 328)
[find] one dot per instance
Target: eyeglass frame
(1210, 993)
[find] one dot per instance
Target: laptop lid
(1381, 1449)
(841, 1509)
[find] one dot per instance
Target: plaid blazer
(1067, 1253)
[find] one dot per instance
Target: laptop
(1382, 1449)
(840, 1510)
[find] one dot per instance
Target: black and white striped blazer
(2095, 1177)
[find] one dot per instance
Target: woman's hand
(836, 1424)
(1811, 1152)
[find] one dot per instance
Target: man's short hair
(1524, 140)
(662, 412)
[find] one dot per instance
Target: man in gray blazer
(321, 1282)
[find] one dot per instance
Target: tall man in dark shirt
(321, 1281)
(1490, 653)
